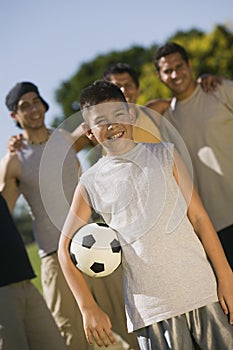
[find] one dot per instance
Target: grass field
(32, 250)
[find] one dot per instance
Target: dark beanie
(19, 90)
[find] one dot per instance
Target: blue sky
(46, 41)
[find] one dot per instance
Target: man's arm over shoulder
(9, 178)
(159, 105)
(80, 140)
(77, 138)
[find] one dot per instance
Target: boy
(144, 193)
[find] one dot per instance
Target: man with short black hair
(205, 122)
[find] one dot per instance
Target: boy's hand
(225, 294)
(98, 327)
(15, 143)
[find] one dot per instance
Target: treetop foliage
(209, 53)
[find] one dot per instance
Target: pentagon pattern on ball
(95, 250)
(88, 241)
(115, 245)
(97, 267)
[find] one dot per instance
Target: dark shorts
(226, 238)
(206, 328)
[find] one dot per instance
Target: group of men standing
(46, 171)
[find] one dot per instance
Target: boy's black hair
(168, 49)
(100, 91)
(120, 68)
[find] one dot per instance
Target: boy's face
(111, 125)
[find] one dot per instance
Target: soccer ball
(95, 250)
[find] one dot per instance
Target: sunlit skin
(176, 74)
(125, 82)
(30, 115)
(110, 124)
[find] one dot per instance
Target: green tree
(209, 52)
(68, 93)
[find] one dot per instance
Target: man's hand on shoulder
(210, 82)
(15, 143)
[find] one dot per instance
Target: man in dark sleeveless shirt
(25, 321)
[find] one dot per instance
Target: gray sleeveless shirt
(49, 175)
(165, 269)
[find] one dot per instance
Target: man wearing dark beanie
(46, 171)
(21, 174)
(20, 89)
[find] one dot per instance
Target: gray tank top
(49, 175)
(165, 269)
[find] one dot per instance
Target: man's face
(110, 124)
(30, 111)
(176, 74)
(125, 82)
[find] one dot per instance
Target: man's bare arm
(80, 140)
(159, 105)
(9, 179)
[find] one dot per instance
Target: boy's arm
(205, 231)
(97, 325)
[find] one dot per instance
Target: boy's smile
(115, 134)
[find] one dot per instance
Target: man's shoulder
(9, 178)
(10, 161)
(10, 167)
(66, 135)
(224, 94)
(226, 87)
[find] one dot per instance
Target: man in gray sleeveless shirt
(46, 172)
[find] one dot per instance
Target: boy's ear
(13, 115)
(88, 131)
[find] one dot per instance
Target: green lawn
(32, 250)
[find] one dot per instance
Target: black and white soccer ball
(95, 250)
